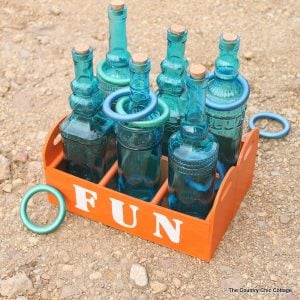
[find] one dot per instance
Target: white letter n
(173, 233)
(118, 213)
(81, 197)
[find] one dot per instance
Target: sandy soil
(87, 260)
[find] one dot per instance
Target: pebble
(262, 214)
(4, 168)
(55, 11)
(9, 75)
(7, 188)
(17, 183)
(273, 277)
(138, 274)
(285, 218)
(69, 291)
(160, 274)
(248, 55)
(18, 38)
(17, 284)
(158, 287)
(177, 283)
(4, 86)
(231, 282)
(20, 156)
(95, 276)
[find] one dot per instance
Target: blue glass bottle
(113, 72)
(172, 81)
(88, 136)
(193, 154)
(227, 95)
(139, 149)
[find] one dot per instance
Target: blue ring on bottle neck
(129, 117)
(271, 116)
(230, 106)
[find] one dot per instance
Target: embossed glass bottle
(113, 72)
(172, 81)
(226, 101)
(139, 149)
(193, 153)
(88, 136)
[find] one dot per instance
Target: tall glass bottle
(172, 81)
(193, 153)
(139, 149)
(113, 72)
(227, 95)
(88, 136)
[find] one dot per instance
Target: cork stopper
(82, 48)
(229, 37)
(117, 4)
(177, 29)
(139, 58)
(197, 71)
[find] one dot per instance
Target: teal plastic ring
(127, 117)
(271, 116)
(61, 209)
(109, 79)
(163, 118)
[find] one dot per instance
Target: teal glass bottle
(226, 101)
(139, 149)
(193, 154)
(88, 136)
(172, 81)
(113, 72)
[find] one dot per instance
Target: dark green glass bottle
(172, 81)
(87, 134)
(226, 100)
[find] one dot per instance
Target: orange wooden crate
(150, 220)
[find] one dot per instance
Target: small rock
(158, 287)
(275, 173)
(23, 101)
(248, 55)
(187, 297)
(18, 38)
(285, 218)
(17, 183)
(231, 282)
(67, 268)
(160, 274)
(41, 135)
(4, 87)
(7, 188)
(177, 283)
(17, 284)
(21, 156)
(55, 11)
(139, 275)
(33, 241)
(45, 278)
(95, 276)
(69, 291)
(99, 37)
(9, 74)
(273, 277)
(4, 168)
(262, 214)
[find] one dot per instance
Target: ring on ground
(270, 116)
(61, 209)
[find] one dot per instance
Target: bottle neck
(194, 126)
(227, 63)
(117, 55)
(139, 84)
(176, 45)
(83, 65)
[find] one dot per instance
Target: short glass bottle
(193, 154)
(226, 100)
(172, 81)
(139, 149)
(87, 134)
(113, 72)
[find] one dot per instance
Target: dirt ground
(87, 260)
